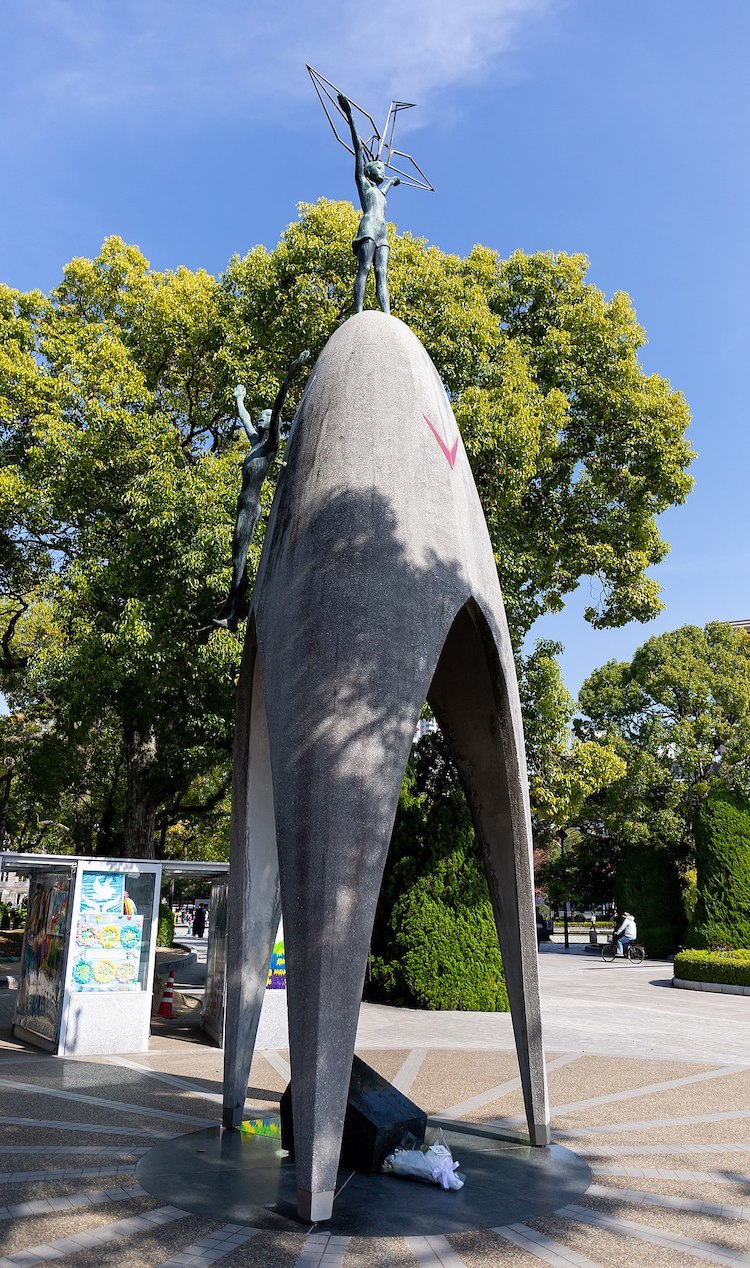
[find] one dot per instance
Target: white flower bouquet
(432, 1163)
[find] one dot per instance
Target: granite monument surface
(377, 589)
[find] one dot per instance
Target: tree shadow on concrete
(359, 616)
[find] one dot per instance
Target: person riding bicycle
(629, 933)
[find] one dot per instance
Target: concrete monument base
(250, 1180)
(314, 1207)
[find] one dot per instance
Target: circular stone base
(243, 1179)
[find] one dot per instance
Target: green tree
(564, 770)
(119, 468)
(583, 874)
(678, 716)
(115, 497)
(649, 883)
(574, 448)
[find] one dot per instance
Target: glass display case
(88, 957)
(112, 934)
(87, 965)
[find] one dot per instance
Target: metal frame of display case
(39, 1002)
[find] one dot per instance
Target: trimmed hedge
(722, 842)
(729, 968)
(434, 939)
(165, 930)
(446, 954)
(649, 884)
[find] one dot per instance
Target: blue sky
(615, 129)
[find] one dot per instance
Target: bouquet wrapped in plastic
(432, 1163)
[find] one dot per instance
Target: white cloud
(238, 57)
(422, 47)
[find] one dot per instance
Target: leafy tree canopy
(562, 775)
(678, 716)
(677, 720)
(574, 448)
(119, 468)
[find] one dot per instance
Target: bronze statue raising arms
(371, 243)
(264, 442)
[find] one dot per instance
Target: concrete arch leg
(471, 695)
(331, 870)
(254, 902)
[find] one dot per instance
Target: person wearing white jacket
(629, 932)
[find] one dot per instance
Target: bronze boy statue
(264, 441)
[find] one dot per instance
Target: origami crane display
(378, 144)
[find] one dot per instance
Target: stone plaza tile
(383, 1252)
(608, 1249)
(36, 1230)
(38, 1132)
(264, 1076)
(725, 1091)
(734, 1191)
(203, 1060)
(38, 1107)
(387, 1061)
(711, 1228)
(655, 1132)
(104, 1090)
(449, 1076)
(143, 1248)
(268, 1250)
(628, 1131)
(599, 1075)
(486, 1250)
(69, 1173)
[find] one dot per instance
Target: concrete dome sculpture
(377, 589)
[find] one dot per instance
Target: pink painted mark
(449, 453)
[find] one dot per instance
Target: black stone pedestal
(251, 1180)
(378, 1117)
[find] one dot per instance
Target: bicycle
(635, 952)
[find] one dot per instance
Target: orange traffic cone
(165, 1007)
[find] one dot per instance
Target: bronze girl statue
(371, 243)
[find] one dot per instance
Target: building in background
(13, 888)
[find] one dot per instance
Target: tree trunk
(107, 823)
(7, 781)
(140, 806)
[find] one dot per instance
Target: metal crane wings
(377, 144)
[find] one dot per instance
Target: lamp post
(561, 835)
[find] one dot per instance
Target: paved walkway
(651, 1085)
(592, 1007)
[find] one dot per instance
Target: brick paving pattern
(656, 1099)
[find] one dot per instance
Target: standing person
(371, 243)
(629, 932)
(199, 922)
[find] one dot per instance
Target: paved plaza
(649, 1084)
